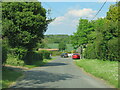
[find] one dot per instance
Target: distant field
(54, 45)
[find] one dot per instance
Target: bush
(14, 61)
(4, 54)
(56, 53)
(113, 50)
(89, 52)
(45, 54)
(18, 52)
(32, 57)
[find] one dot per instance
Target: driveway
(59, 73)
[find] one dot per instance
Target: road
(59, 73)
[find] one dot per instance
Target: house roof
(48, 49)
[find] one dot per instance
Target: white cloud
(58, 20)
(86, 12)
(68, 23)
(73, 15)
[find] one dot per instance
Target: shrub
(4, 54)
(56, 53)
(32, 57)
(18, 52)
(113, 50)
(14, 61)
(89, 52)
(45, 53)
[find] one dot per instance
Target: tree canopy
(62, 46)
(100, 37)
(24, 23)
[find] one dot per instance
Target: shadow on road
(54, 64)
(34, 79)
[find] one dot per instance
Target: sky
(67, 15)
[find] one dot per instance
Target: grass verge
(39, 63)
(15, 62)
(9, 77)
(107, 70)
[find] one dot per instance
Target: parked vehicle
(64, 55)
(76, 56)
(70, 54)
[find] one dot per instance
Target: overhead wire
(99, 10)
(62, 14)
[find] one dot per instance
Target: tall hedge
(45, 54)
(4, 54)
(32, 57)
(113, 49)
(101, 36)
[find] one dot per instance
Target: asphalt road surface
(59, 73)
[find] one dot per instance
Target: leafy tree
(62, 46)
(24, 23)
(100, 36)
(80, 37)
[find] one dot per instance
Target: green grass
(107, 70)
(54, 46)
(9, 77)
(39, 63)
(15, 62)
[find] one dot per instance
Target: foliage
(56, 53)
(32, 57)
(62, 46)
(14, 61)
(4, 54)
(90, 51)
(23, 23)
(80, 37)
(45, 54)
(107, 70)
(99, 37)
(18, 52)
(113, 47)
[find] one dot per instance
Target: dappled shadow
(13, 68)
(35, 79)
(54, 64)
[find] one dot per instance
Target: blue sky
(67, 14)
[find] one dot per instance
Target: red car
(76, 56)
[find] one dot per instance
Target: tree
(105, 45)
(100, 36)
(80, 37)
(62, 46)
(24, 23)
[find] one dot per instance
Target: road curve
(59, 73)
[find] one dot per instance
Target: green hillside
(54, 45)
